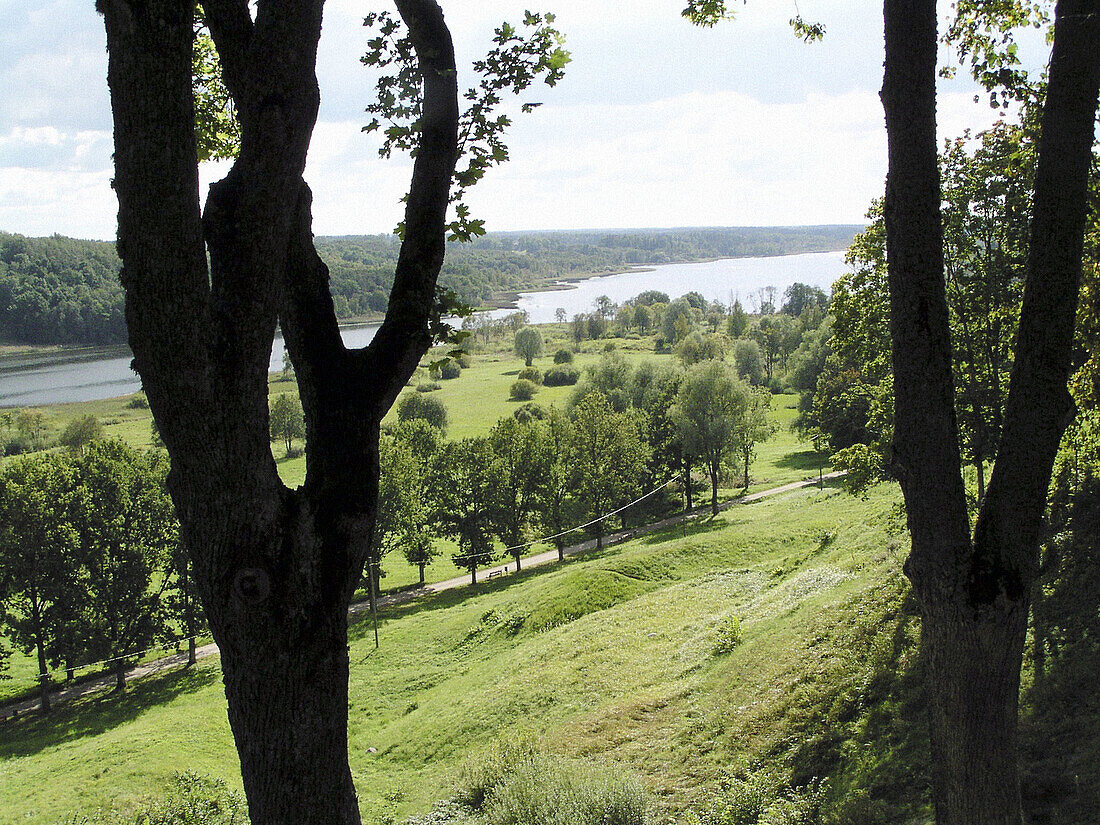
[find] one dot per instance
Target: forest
(64, 291)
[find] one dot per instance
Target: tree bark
(275, 568)
(974, 592)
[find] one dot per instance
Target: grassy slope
(608, 657)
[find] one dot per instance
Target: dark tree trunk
(974, 591)
(561, 549)
(275, 568)
(516, 557)
(421, 566)
(192, 658)
(120, 675)
(43, 680)
(713, 490)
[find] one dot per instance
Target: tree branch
(925, 452)
(1039, 406)
(403, 338)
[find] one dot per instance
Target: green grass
(607, 658)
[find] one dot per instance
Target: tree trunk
(974, 591)
(516, 557)
(473, 575)
(561, 549)
(714, 490)
(43, 680)
(421, 566)
(120, 675)
(288, 709)
(275, 568)
(979, 465)
(192, 658)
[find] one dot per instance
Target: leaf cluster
(521, 56)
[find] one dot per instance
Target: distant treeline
(60, 290)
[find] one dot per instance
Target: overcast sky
(656, 124)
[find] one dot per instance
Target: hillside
(609, 658)
(60, 290)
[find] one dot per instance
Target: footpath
(66, 693)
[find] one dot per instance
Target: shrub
(561, 377)
(418, 405)
(532, 374)
(529, 412)
(192, 800)
(138, 401)
(450, 369)
(609, 346)
(427, 386)
(552, 790)
(523, 390)
(463, 359)
(563, 356)
(729, 635)
(762, 798)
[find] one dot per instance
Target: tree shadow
(805, 460)
(96, 714)
(700, 525)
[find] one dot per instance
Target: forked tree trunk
(974, 591)
(275, 568)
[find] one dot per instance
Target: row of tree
(545, 471)
(91, 568)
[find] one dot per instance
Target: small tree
(126, 532)
(529, 344)
(461, 477)
(756, 426)
(287, 420)
(608, 458)
(38, 551)
(749, 361)
(711, 410)
(552, 506)
(81, 432)
(519, 471)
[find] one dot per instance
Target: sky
(656, 124)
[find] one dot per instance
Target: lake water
(107, 374)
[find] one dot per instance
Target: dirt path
(64, 694)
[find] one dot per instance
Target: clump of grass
(761, 798)
(514, 783)
(552, 790)
(729, 635)
(192, 800)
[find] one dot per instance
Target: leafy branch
(521, 55)
(217, 131)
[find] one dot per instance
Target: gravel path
(64, 694)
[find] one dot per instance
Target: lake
(107, 373)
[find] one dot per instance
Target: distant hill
(60, 290)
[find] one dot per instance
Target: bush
(450, 369)
(762, 798)
(427, 386)
(529, 412)
(561, 377)
(563, 356)
(729, 635)
(138, 401)
(514, 784)
(192, 800)
(552, 790)
(609, 346)
(463, 359)
(524, 390)
(418, 405)
(532, 374)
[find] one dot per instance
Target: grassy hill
(613, 659)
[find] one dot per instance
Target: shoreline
(18, 356)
